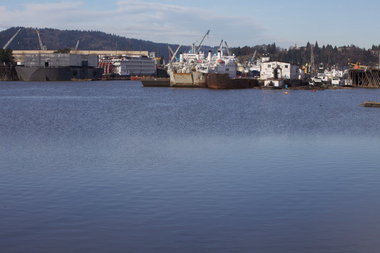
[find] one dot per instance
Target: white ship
(192, 68)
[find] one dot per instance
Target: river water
(115, 167)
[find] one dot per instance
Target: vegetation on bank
(326, 55)
(6, 56)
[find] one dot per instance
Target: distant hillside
(89, 40)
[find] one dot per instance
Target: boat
(42, 74)
(193, 79)
(371, 104)
(192, 68)
(58, 67)
(223, 81)
(155, 82)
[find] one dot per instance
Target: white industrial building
(279, 70)
(128, 65)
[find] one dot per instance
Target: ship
(41, 74)
(193, 79)
(214, 71)
(223, 81)
(58, 67)
(192, 68)
(155, 82)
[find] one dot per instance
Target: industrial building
(278, 70)
(128, 65)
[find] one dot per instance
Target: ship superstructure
(191, 68)
(128, 65)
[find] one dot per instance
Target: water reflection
(115, 167)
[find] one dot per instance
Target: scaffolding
(365, 78)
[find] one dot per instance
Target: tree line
(6, 56)
(328, 55)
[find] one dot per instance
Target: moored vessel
(155, 82)
(223, 81)
(58, 67)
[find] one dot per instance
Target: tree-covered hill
(55, 39)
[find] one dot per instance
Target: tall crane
(250, 61)
(227, 48)
(77, 45)
(198, 48)
(42, 47)
(220, 45)
(11, 39)
(171, 52)
(175, 53)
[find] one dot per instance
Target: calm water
(115, 167)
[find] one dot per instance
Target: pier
(365, 78)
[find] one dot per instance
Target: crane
(227, 48)
(252, 58)
(77, 45)
(175, 53)
(171, 52)
(198, 49)
(220, 45)
(11, 39)
(42, 47)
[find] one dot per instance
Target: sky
(239, 22)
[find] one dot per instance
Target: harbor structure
(274, 73)
(19, 55)
(84, 64)
(364, 78)
(58, 67)
(128, 65)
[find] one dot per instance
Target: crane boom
(253, 57)
(175, 53)
(11, 39)
(220, 45)
(203, 39)
(77, 45)
(228, 49)
(42, 47)
(171, 52)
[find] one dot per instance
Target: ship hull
(42, 74)
(223, 81)
(156, 82)
(194, 79)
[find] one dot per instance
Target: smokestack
(209, 56)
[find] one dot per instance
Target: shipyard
(197, 66)
(161, 126)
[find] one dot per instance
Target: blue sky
(239, 22)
